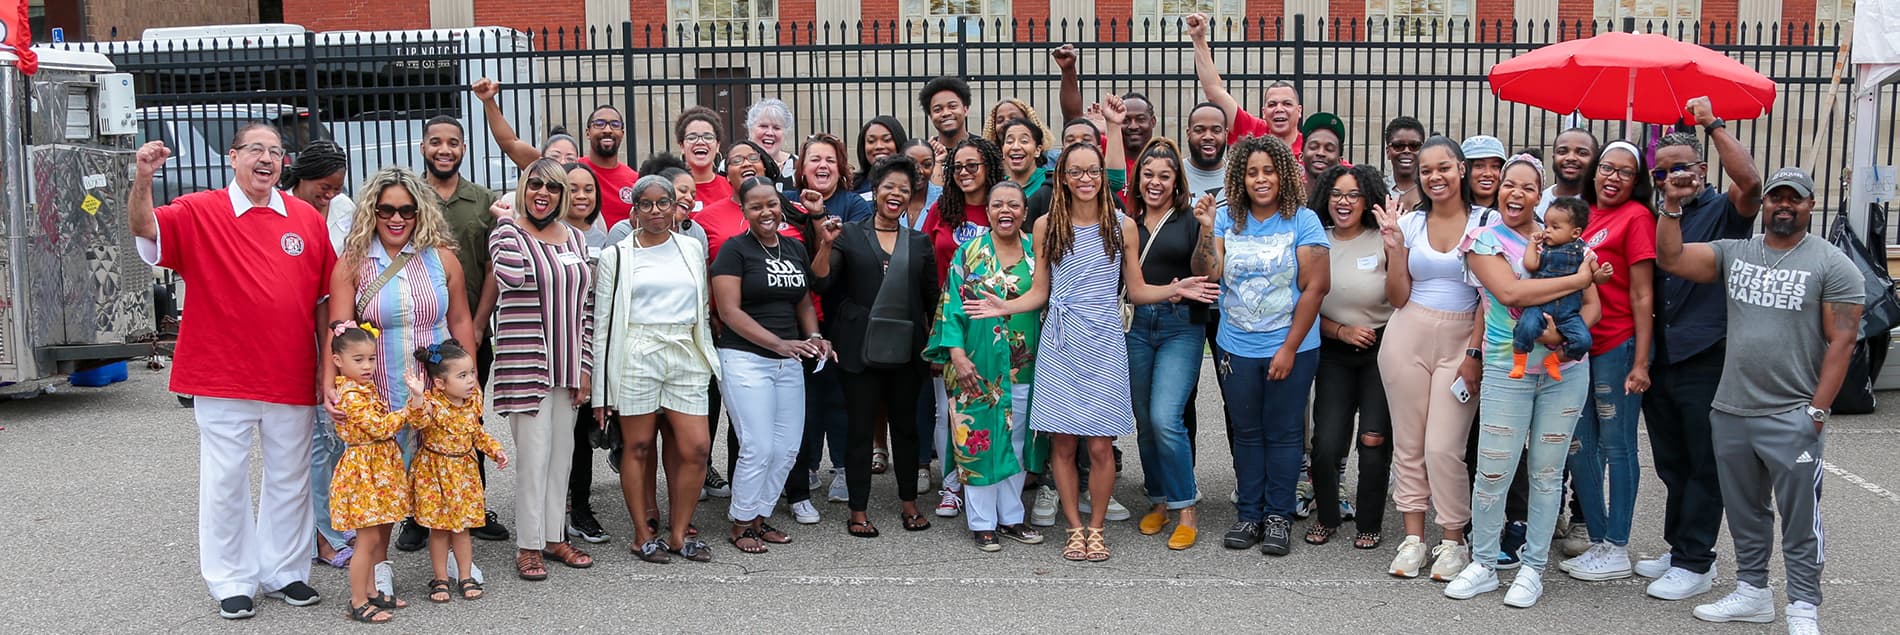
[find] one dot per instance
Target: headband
(1625, 145)
(1529, 159)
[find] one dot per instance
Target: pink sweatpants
(1419, 361)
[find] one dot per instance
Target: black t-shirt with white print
(772, 280)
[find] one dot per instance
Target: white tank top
(1439, 279)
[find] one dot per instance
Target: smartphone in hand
(1459, 390)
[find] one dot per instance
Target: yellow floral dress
(447, 481)
(369, 487)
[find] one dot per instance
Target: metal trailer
(73, 292)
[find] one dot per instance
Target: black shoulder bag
(887, 339)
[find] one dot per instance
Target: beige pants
(1419, 361)
(544, 451)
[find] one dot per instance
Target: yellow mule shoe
(1183, 537)
(1152, 523)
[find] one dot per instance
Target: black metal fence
(372, 91)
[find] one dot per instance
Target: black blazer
(857, 273)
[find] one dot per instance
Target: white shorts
(664, 370)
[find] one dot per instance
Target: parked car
(199, 136)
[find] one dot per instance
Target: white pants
(239, 551)
(765, 399)
(544, 451)
(1001, 503)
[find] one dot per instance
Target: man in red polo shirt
(257, 263)
(606, 130)
(1282, 112)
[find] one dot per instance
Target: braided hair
(950, 204)
(318, 160)
(1291, 190)
(1059, 237)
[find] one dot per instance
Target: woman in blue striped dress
(1082, 362)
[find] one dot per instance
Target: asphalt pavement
(99, 517)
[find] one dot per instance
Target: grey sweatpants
(1777, 454)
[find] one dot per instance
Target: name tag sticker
(1368, 263)
(569, 259)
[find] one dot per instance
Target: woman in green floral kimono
(988, 367)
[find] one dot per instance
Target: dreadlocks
(1058, 238)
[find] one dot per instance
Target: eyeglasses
(1663, 173)
(644, 205)
(611, 124)
(743, 159)
(960, 168)
(1606, 171)
(1350, 197)
(1079, 173)
(536, 183)
(1404, 146)
(701, 137)
(386, 212)
(275, 152)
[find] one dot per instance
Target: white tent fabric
(1876, 59)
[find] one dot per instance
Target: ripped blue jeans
(1512, 411)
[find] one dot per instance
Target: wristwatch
(1819, 415)
(1474, 353)
(1713, 125)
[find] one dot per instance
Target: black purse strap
(893, 296)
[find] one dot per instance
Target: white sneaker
(1475, 580)
(385, 575)
(923, 479)
(1571, 565)
(1115, 510)
(1681, 584)
(1233, 497)
(474, 570)
(1043, 513)
(805, 513)
(949, 504)
(1747, 604)
(1450, 559)
(1411, 558)
(1611, 563)
(1526, 589)
(1653, 568)
(1577, 539)
(1803, 618)
(840, 492)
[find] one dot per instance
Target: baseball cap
(1483, 147)
(1324, 121)
(1791, 177)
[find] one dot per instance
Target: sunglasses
(960, 168)
(535, 183)
(1660, 174)
(385, 212)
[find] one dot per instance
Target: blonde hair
(995, 135)
(431, 230)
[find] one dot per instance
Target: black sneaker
(296, 594)
(491, 529)
(1244, 535)
(1510, 544)
(413, 537)
(236, 607)
(717, 485)
(1276, 538)
(582, 524)
(986, 541)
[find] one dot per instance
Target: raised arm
(143, 220)
(1115, 113)
(506, 258)
(1070, 94)
(1209, 250)
(1398, 269)
(1212, 87)
(519, 151)
(1744, 180)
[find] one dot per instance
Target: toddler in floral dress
(447, 482)
(369, 492)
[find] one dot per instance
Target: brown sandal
(1318, 534)
(569, 555)
(529, 566)
(1077, 550)
(749, 541)
(1097, 548)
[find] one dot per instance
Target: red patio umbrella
(1632, 76)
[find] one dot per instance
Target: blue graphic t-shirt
(1260, 281)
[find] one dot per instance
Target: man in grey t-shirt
(1794, 306)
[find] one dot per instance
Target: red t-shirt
(255, 283)
(1247, 125)
(1621, 237)
(616, 191)
(945, 239)
(718, 189)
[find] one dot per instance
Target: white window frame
(687, 16)
(1451, 16)
(1833, 14)
(936, 20)
(1679, 11)
(1163, 17)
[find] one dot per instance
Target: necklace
(778, 249)
(1784, 256)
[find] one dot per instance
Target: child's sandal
(439, 587)
(470, 589)
(368, 613)
(1077, 550)
(387, 602)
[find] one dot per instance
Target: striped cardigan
(544, 323)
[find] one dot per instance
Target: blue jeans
(1269, 430)
(325, 450)
(1164, 365)
(1511, 412)
(1606, 441)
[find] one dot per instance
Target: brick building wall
(366, 15)
(121, 20)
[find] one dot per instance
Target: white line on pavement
(1862, 482)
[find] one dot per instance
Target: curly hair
(1035, 134)
(1371, 193)
(950, 204)
(431, 230)
(1291, 190)
(1159, 149)
(838, 152)
(701, 114)
(1059, 238)
(995, 135)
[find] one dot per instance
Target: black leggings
(875, 391)
(1348, 383)
(580, 475)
